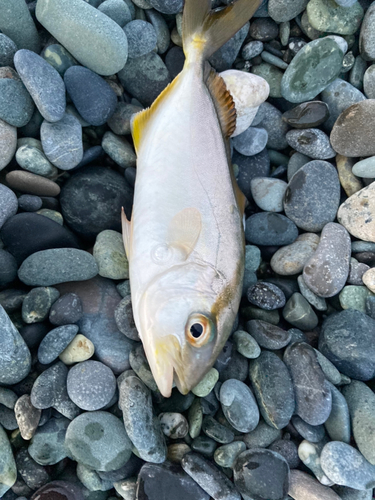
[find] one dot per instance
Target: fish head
(186, 316)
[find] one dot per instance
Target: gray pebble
(16, 23)
(119, 150)
(338, 423)
(312, 433)
(268, 193)
(161, 28)
(16, 105)
(267, 335)
(299, 313)
(141, 37)
(262, 436)
(366, 37)
(251, 142)
(66, 310)
(239, 405)
(37, 303)
(214, 430)
(246, 344)
(252, 49)
(269, 228)
(304, 487)
(368, 82)
(55, 342)
(118, 10)
(266, 296)
(275, 126)
(47, 446)
(311, 142)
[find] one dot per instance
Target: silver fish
(185, 241)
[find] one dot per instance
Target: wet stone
(66, 310)
(312, 433)
(345, 466)
(27, 416)
(209, 477)
(354, 297)
(281, 11)
(273, 389)
(59, 265)
(298, 312)
(43, 82)
(307, 115)
(313, 196)
(266, 296)
(98, 440)
(92, 95)
(239, 405)
(246, 344)
(327, 270)
(261, 474)
(47, 446)
(37, 303)
(55, 342)
(356, 214)
(268, 193)
(315, 66)
(347, 340)
(267, 335)
(268, 228)
(65, 489)
(312, 392)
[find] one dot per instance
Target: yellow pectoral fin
(126, 232)
(184, 229)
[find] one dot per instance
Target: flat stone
(346, 466)
(58, 57)
(299, 313)
(119, 149)
(209, 477)
(312, 392)
(80, 349)
(43, 82)
(271, 120)
(16, 105)
(246, 344)
(273, 389)
(62, 142)
(281, 10)
(267, 335)
(261, 474)
(105, 192)
(8, 474)
(329, 16)
(17, 23)
(142, 427)
(268, 193)
(239, 405)
(50, 267)
(356, 214)
(8, 143)
(269, 228)
(314, 67)
(103, 47)
(353, 132)
(290, 259)
(47, 445)
(307, 114)
(145, 77)
(347, 339)
(304, 487)
(98, 440)
(366, 36)
(32, 183)
(326, 272)
(8, 204)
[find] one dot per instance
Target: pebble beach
(288, 409)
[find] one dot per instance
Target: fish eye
(199, 330)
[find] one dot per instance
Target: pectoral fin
(223, 101)
(184, 229)
(126, 232)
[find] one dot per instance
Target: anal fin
(223, 101)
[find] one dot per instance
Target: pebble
(357, 270)
(312, 392)
(27, 417)
(251, 167)
(174, 425)
(309, 453)
(43, 82)
(299, 313)
(98, 440)
(8, 473)
(7, 50)
(59, 265)
(139, 364)
(347, 340)
(319, 303)
(80, 349)
(272, 75)
(226, 455)
(326, 272)
(368, 82)
(8, 142)
(62, 142)
(269, 228)
(354, 297)
(37, 303)
(312, 197)
(142, 427)
(47, 445)
(66, 489)
(357, 73)
(312, 433)
(347, 493)
(271, 120)
(210, 478)
(33, 474)
(290, 259)
(17, 23)
(206, 384)
(261, 474)
(366, 37)
(239, 405)
(353, 132)
(119, 122)
(8, 204)
(141, 37)
(204, 446)
(346, 466)
(34, 160)
(251, 142)
(124, 318)
(365, 168)
(32, 184)
(58, 57)
(8, 268)
(110, 255)
(267, 335)
(145, 77)
(350, 183)
(268, 193)
(105, 47)
(307, 115)
(246, 344)
(55, 342)
(252, 49)
(356, 214)
(285, 10)
(296, 161)
(216, 431)
(16, 105)
(304, 487)
(327, 15)
(262, 436)
(273, 389)
(338, 423)
(225, 56)
(311, 142)
(119, 149)
(266, 296)
(66, 310)
(369, 279)
(117, 10)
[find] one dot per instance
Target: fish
(185, 241)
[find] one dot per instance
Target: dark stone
(8, 268)
(66, 310)
(204, 445)
(59, 490)
(141, 37)
(119, 122)
(30, 183)
(239, 405)
(167, 6)
(55, 342)
(307, 114)
(313, 433)
(216, 431)
(225, 56)
(29, 202)
(268, 228)
(175, 60)
(264, 29)
(251, 167)
(16, 105)
(34, 475)
(33, 334)
(267, 335)
(287, 449)
(266, 296)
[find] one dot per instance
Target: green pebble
(299, 313)
(58, 57)
(252, 258)
(52, 214)
(204, 445)
(354, 297)
(226, 455)
(357, 73)
(33, 160)
(91, 479)
(277, 158)
(246, 344)
(329, 369)
(274, 60)
(272, 75)
(195, 418)
(207, 383)
(124, 288)
(284, 31)
(326, 15)
(109, 254)
(252, 312)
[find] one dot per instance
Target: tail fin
(204, 30)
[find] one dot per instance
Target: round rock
(268, 193)
(303, 486)
(79, 349)
(365, 168)
(266, 296)
(251, 142)
(110, 255)
(141, 37)
(98, 440)
(91, 384)
(290, 259)
(327, 15)
(239, 405)
(66, 310)
(267, 335)
(285, 10)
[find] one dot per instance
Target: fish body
(185, 241)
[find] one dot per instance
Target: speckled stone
(290, 259)
(251, 142)
(55, 342)
(105, 47)
(271, 120)
(43, 82)
(66, 310)
(369, 82)
(207, 383)
(272, 75)
(246, 344)
(365, 168)
(269, 228)
(109, 254)
(273, 389)
(119, 149)
(8, 143)
(285, 10)
(225, 56)
(79, 349)
(98, 440)
(266, 296)
(312, 392)
(119, 122)
(366, 37)
(327, 15)
(47, 446)
(304, 487)
(267, 335)
(354, 297)
(8, 204)
(16, 105)
(311, 142)
(369, 279)
(118, 10)
(37, 303)
(139, 364)
(8, 474)
(326, 280)
(338, 96)
(318, 302)
(16, 22)
(262, 436)
(28, 417)
(239, 405)
(34, 160)
(309, 453)
(296, 161)
(356, 214)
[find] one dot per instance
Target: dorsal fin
(223, 102)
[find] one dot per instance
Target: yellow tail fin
(204, 30)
